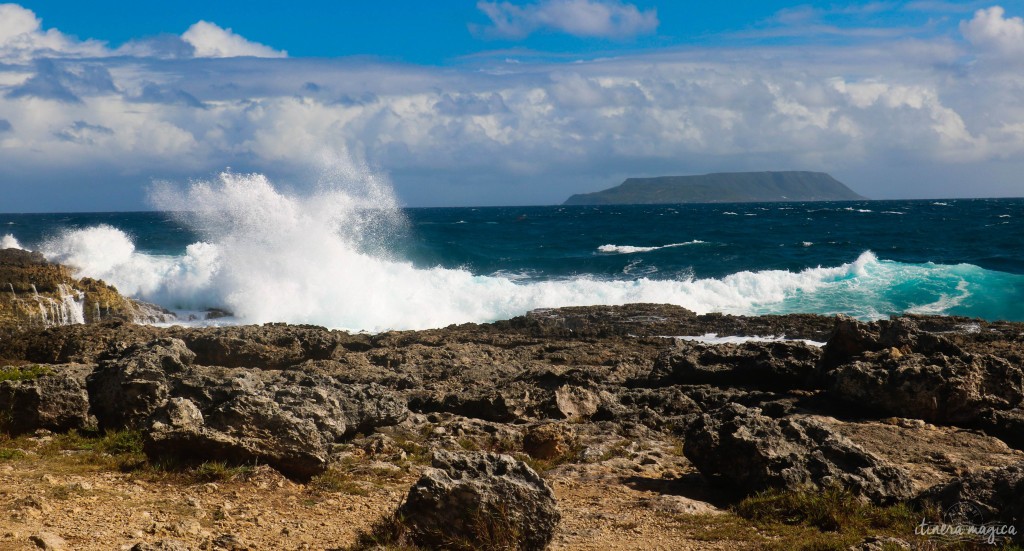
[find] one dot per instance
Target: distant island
(722, 187)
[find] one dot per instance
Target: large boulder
(754, 452)
(851, 339)
(957, 390)
(769, 365)
(127, 389)
(479, 501)
(896, 367)
(286, 419)
(994, 497)
(49, 397)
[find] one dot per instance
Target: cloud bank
(583, 18)
(84, 126)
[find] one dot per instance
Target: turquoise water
(430, 267)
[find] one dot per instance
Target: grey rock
(286, 419)
(996, 495)
(126, 390)
(753, 452)
(936, 388)
(483, 499)
(229, 542)
(55, 401)
(771, 365)
(510, 403)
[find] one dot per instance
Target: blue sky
(477, 103)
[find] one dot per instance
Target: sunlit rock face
(38, 293)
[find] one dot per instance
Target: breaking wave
(322, 258)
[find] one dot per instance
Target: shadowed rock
(997, 495)
(754, 452)
(480, 500)
(54, 400)
(771, 365)
(895, 368)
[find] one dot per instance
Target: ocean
(350, 259)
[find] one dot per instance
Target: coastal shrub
(832, 510)
(27, 372)
(335, 481)
(216, 471)
(120, 449)
(8, 454)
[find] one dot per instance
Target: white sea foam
(945, 301)
(630, 249)
(713, 338)
(9, 242)
(271, 256)
(851, 209)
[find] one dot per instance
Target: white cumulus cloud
(22, 38)
(210, 40)
(992, 31)
(584, 18)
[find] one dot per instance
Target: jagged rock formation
(578, 386)
(38, 293)
(51, 397)
(480, 500)
(753, 452)
(996, 496)
(288, 420)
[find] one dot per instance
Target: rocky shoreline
(917, 412)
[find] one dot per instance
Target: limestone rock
(576, 403)
(771, 365)
(754, 452)
(126, 390)
(288, 420)
(55, 400)
(995, 495)
(550, 441)
(482, 499)
(37, 293)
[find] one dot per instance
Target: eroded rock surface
(481, 499)
(287, 419)
(54, 400)
(753, 452)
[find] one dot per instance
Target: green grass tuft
(27, 372)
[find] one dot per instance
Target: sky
(465, 103)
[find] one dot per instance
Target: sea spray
(324, 257)
(8, 241)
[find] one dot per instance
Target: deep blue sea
(332, 263)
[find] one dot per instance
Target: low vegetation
(26, 372)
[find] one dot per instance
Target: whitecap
(630, 249)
